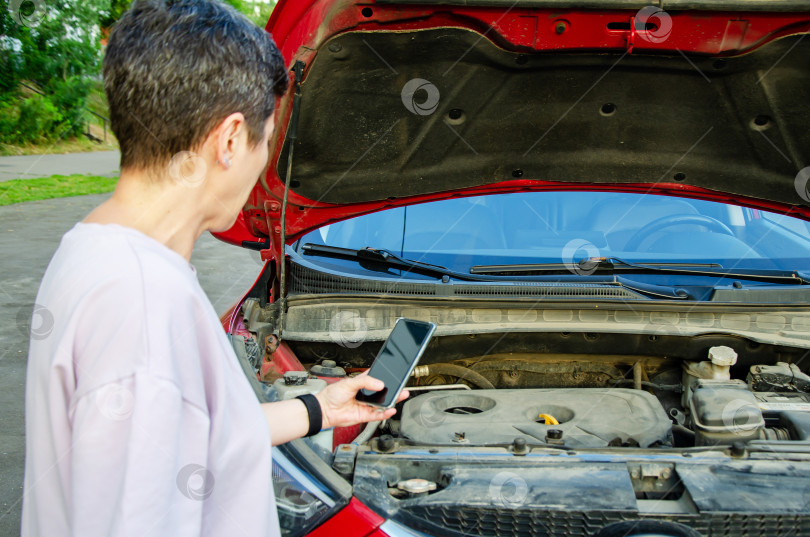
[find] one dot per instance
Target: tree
(256, 10)
(57, 47)
(117, 8)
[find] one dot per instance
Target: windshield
(567, 227)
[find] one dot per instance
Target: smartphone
(395, 362)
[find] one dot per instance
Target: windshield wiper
(613, 265)
(381, 260)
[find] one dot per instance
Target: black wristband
(314, 411)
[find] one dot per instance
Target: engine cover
(588, 417)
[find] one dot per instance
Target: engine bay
(648, 423)
(647, 389)
(652, 392)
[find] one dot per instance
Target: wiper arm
(613, 265)
(379, 259)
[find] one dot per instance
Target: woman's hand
(340, 408)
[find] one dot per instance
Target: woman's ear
(228, 136)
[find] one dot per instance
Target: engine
(697, 404)
(577, 417)
(689, 395)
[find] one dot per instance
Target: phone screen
(396, 360)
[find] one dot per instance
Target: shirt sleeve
(137, 445)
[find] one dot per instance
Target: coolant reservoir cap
(416, 485)
(328, 368)
(295, 378)
(722, 355)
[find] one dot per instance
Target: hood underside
(737, 125)
(402, 104)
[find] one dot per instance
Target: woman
(138, 417)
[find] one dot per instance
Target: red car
(604, 207)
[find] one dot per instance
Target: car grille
(485, 522)
(304, 280)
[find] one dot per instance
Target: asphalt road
(31, 233)
(30, 166)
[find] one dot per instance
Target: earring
(227, 163)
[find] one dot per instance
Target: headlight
(301, 501)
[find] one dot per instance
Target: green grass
(55, 186)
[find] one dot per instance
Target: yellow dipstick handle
(550, 420)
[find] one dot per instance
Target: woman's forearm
(287, 420)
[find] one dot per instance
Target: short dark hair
(174, 69)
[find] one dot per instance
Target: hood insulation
(735, 124)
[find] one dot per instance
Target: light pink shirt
(139, 420)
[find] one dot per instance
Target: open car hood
(402, 102)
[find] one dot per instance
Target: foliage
(56, 186)
(39, 120)
(56, 46)
(70, 96)
(117, 8)
(257, 11)
(8, 119)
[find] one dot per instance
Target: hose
(367, 433)
(688, 433)
(462, 373)
(677, 388)
(637, 374)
